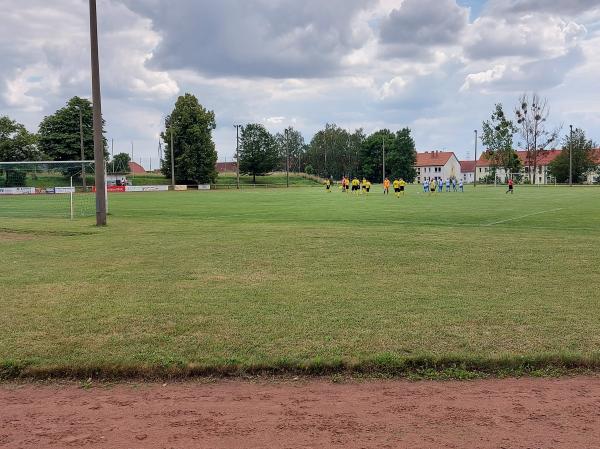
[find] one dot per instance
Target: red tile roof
(433, 158)
(543, 159)
(467, 166)
(136, 168)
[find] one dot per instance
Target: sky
(436, 66)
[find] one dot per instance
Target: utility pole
(237, 153)
(112, 154)
(383, 180)
(132, 160)
(571, 157)
(475, 176)
(82, 150)
(287, 159)
(97, 107)
(172, 158)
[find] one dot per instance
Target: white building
(542, 171)
(467, 169)
(433, 165)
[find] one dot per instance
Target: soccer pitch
(301, 280)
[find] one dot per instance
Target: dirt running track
(308, 414)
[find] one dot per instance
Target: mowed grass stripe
(305, 281)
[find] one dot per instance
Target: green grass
(304, 281)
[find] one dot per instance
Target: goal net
(47, 189)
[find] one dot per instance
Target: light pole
(172, 156)
(81, 147)
(475, 175)
(237, 153)
(97, 107)
(383, 180)
(287, 159)
(571, 157)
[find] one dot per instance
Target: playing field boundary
(387, 366)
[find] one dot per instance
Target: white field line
(523, 216)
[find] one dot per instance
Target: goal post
(46, 189)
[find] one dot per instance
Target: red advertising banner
(112, 189)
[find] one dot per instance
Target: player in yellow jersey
(368, 186)
(363, 185)
(402, 184)
(328, 185)
(355, 186)
(397, 188)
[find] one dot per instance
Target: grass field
(304, 281)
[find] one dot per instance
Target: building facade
(484, 169)
(467, 169)
(436, 165)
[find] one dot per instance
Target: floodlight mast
(475, 175)
(97, 108)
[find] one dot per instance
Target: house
(484, 168)
(226, 167)
(433, 165)
(594, 177)
(467, 169)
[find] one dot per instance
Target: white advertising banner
(17, 191)
(204, 187)
(147, 189)
(63, 190)
(181, 188)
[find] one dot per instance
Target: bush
(309, 170)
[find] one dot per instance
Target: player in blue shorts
(441, 185)
(461, 185)
(448, 185)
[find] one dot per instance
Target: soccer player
(511, 187)
(461, 185)
(402, 186)
(368, 186)
(363, 185)
(426, 186)
(397, 187)
(433, 187)
(386, 186)
(328, 185)
(448, 185)
(454, 185)
(441, 185)
(355, 186)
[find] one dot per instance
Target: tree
(59, 135)
(498, 138)
(258, 151)
(532, 115)
(290, 144)
(120, 163)
(371, 153)
(334, 152)
(583, 158)
(401, 160)
(16, 145)
(194, 150)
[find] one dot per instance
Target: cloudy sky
(437, 66)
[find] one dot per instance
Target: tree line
(530, 124)
(332, 152)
